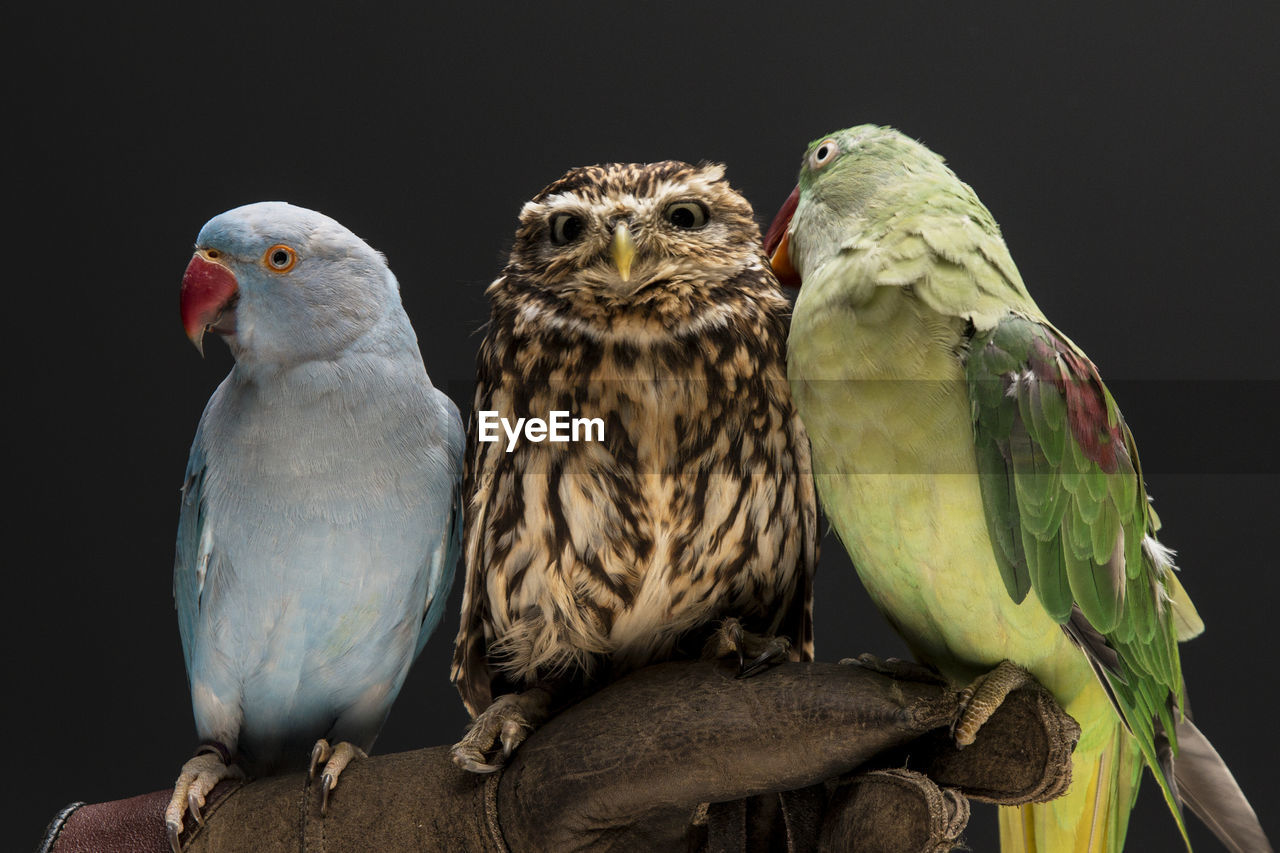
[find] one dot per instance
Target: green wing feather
(1069, 517)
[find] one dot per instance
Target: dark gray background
(1130, 157)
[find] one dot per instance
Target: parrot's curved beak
(623, 250)
(209, 292)
(777, 242)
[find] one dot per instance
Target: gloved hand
(816, 747)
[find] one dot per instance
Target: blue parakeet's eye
(687, 214)
(824, 153)
(565, 228)
(280, 258)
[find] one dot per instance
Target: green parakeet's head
(852, 183)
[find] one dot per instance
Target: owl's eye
(565, 228)
(687, 214)
(824, 153)
(280, 258)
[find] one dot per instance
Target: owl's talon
(730, 638)
(777, 649)
(513, 734)
(500, 729)
(472, 760)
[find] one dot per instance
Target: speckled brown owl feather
(585, 558)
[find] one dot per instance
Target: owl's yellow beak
(623, 250)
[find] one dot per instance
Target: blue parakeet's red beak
(209, 290)
(777, 242)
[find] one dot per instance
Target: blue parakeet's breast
(322, 541)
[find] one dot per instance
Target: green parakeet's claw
(981, 698)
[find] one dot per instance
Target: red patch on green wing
(1077, 380)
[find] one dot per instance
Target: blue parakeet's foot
(334, 760)
(508, 720)
(755, 653)
(980, 699)
(199, 776)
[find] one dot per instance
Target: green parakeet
(984, 483)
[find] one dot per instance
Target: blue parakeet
(320, 513)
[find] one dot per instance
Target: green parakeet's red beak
(209, 291)
(777, 242)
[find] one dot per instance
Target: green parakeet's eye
(687, 214)
(280, 258)
(824, 153)
(565, 228)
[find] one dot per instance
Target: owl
(637, 303)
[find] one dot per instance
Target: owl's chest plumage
(686, 512)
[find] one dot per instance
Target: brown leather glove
(633, 767)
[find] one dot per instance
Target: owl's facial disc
(626, 233)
